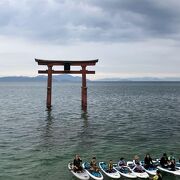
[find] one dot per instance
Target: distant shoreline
(77, 79)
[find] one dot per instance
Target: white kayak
(151, 170)
(139, 173)
(176, 172)
(93, 174)
(80, 175)
(113, 174)
(125, 171)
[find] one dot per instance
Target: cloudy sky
(131, 38)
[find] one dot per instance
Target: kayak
(140, 174)
(168, 170)
(80, 175)
(113, 174)
(151, 170)
(93, 174)
(125, 171)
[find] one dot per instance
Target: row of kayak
(129, 171)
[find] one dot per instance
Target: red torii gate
(67, 70)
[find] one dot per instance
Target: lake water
(123, 119)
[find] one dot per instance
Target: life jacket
(93, 163)
(110, 165)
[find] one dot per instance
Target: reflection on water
(49, 116)
(84, 116)
(48, 130)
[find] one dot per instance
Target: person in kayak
(172, 165)
(158, 176)
(164, 161)
(121, 162)
(136, 159)
(110, 166)
(77, 164)
(93, 165)
(138, 168)
(171, 157)
(148, 161)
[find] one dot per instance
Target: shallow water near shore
(123, 119)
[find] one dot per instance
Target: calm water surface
(123, 119)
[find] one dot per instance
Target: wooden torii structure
(67, 70)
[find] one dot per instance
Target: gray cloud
(64, 21)
(151, 17)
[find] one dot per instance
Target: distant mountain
(56, 78)
(142, 79)
(67, 78)
(22, 79)
(113, 79)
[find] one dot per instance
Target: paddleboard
(140, 174)
(125, 171)
(80, 175)
(176, 172)
(93, 174)
(151, 170)
(113, 174)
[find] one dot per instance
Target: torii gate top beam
(62, 62)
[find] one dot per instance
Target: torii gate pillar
(49, 87)
(84, 89)
(67, 70)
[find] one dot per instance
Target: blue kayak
(97, 175)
